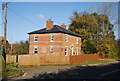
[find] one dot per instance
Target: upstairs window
(52, 38)
(51, 49)
(35, 49)
(76, 40)
(35, 38)
(66, 38)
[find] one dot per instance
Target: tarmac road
(97, 72)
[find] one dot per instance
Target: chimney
(49, 24)
(63, 25)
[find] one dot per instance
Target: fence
(38, 59)
(81, 58)
(49, 58)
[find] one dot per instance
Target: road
(103, 71)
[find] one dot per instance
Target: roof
(54, 29)
(2, 40)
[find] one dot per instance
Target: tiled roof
(55, 29)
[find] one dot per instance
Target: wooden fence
(83, 57)
(38, 59)
(49, 58)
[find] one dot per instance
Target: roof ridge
(58, 28)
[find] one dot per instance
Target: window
(66, 51)
(72, 50)
(35, 49)
(52, 38)
(35, 38)
(66, 38)
(76, 40)
(51, 49)
(77, 51)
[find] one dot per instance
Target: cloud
(41, 16)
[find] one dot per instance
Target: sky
(24, 17)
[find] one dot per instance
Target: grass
(11, 70)
(93, 62)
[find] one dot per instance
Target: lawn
(93, 62)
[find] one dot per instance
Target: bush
(12, 69)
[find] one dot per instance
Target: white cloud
(41, 16)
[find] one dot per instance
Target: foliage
(21, 47)
(12, 70)
(96, 31)
(3, 57)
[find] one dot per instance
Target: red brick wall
(59, 43)
(71, 42)
(44, 43)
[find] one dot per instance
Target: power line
(23, 17)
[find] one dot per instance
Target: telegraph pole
(5, 29)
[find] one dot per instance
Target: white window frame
(77, 51)
(66, 51)
(76, 40)
(35, 50)
(52, 38)
(51, 49)
(72, 49)
(35, 37)
(66, 38)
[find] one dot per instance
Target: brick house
(54, 38)
(2, 43)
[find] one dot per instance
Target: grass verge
(93, 62)
(11, 70)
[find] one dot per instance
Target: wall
(59, 43)
(44, 43)
(71, 42)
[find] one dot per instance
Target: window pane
(51, 49)
(35, 50)
(35, 38)
(66, 38)
(52, 38)
(65, 52)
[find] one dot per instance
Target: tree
(21, 47)
(81, 24)
(96, 31)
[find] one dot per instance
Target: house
(54, 38)
(2, 43)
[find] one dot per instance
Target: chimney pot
(63, 25)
